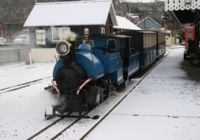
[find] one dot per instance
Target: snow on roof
(71, 13)
(123, 23)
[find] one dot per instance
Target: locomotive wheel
(93, 97)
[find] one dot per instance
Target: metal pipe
(83, 85)
(55, 86)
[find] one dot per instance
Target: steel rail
(23, 85)
(44, 129)
(67, 127)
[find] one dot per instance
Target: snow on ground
(14, 74)
(22, 111)
(165, 106)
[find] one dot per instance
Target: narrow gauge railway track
(23, 85)
(70, 124)
(44, 131)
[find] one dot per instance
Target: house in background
(48, 22)
(149, 23)
(124, 24)
(133, 17)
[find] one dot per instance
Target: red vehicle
(189, 33)
(192, 50)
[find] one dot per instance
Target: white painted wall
(44, 55)
(170, 40)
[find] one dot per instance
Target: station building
(50, 22)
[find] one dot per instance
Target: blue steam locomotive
(88, 72)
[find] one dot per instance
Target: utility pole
(128, 9)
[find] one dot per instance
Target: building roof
(149, 24)
(74, 13)
(123, 23)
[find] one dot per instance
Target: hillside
(16, 11)
(154, 10)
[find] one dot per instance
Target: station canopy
(123, 23)
(74, 13)
(184, 11)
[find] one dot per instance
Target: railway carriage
(146, 43)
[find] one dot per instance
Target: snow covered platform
(19, 73)
(165, 105)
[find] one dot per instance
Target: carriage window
(155, 40)
(147, 41)
(150, 40)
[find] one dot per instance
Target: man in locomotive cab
(85, 35)
(86, 40)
